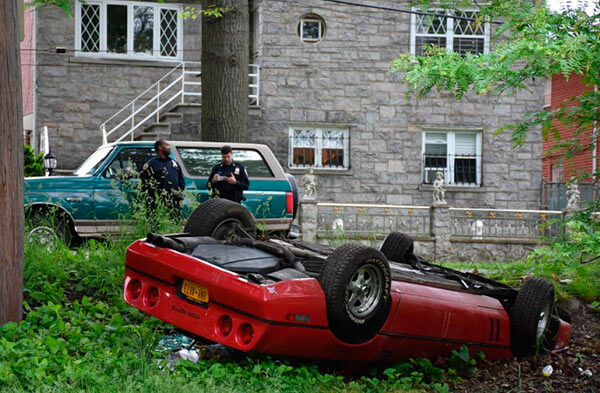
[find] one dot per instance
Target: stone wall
(439, 240)
(76, 94)
(346, 80)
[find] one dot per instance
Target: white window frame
(450, 155)
(319, 147)
(449, 32)
(130, 54)
(311, 19)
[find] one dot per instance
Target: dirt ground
(582, 354)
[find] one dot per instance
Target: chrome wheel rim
(543, 320)
(364, 290)
(227, 229)
(43, 235)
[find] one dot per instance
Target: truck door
(116, 187)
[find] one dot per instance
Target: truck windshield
(90, 165)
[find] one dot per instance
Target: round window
(311, 28)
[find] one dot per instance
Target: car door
(116, 187)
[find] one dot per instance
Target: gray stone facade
(343, 80)
(75, 95)
(346, 79)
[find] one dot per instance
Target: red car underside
(289, 318)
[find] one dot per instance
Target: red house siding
(561, 91)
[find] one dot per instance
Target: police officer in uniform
(229, 178)
(161, 177)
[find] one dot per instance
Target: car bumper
(287, 337)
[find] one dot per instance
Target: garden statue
(439, 189)
(310, 185)
(338, 225)
(477, 227)
(573, 197)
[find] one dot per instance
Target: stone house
(322, 96)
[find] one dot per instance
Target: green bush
(34, 165)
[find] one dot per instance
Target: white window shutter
(465, 144)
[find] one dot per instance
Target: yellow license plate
(194, 291)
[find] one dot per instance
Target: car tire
(48, 228)
(343, 278)
(531, 317)
(398, 247)
(210, 217)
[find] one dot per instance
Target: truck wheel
(398, 247)
(531, 316)
(220, 218)
(356, 281)
(49, 229)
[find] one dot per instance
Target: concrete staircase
(169, 108)
(181, 123)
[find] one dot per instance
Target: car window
(130, 160)
(93, 162)
(199, 161)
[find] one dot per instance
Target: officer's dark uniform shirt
(233, 192)
(165, 172)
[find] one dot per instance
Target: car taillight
(245, 333)
(289, 202)
(225, 325)
(152, 296)
(134, 289)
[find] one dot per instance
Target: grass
(79, 336)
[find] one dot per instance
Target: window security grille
(442, 30)
(325, 148)
(133, 30)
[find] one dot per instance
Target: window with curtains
(319, 147)
(456, 154)
(133, 30)
(463, 35)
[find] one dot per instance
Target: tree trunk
(11, 167)
(225, 74)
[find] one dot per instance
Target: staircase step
(172, 118)
(186, 108)
(155, 131)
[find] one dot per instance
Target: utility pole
(11, 165)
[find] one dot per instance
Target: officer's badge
(237, 170)
(174, 163)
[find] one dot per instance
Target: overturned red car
(288, 297)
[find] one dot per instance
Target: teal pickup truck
(94, 201)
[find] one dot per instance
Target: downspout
(34, 84)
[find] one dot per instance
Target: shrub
(34, 165)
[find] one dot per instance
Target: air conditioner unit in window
(429, 174)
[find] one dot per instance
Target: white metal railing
(180, 85)
(371, 220)
(505, 223)
(377, 220)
